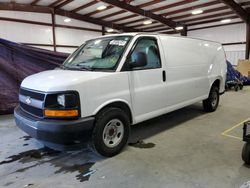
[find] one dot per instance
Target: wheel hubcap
(214, 99)
(113, 133)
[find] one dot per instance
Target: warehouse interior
(184, 148)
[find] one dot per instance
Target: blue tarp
(233, 75)
(18, 61)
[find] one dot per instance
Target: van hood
(60, 80)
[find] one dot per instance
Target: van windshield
(98, 54)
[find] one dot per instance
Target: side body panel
(191, 67)
(100, 92)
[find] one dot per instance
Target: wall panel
(73, 37)
(25, 33)
(39, 17)
(225, 34)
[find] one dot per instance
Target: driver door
(147, 83)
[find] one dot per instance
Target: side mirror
(139, 60)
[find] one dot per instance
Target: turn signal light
(61, 113)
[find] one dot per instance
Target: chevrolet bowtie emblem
(28, 100)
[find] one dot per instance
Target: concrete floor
(186, 148)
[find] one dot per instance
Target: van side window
(150, 48)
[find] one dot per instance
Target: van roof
(159, 34)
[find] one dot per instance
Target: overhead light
(147, 22)
(102, 7)
(67, 20)
(179, 28)
(198, 11)
(226, 21)
(110, 30)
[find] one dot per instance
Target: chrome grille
(32, 102)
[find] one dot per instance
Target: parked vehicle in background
(115, 81)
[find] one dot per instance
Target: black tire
(226, 87)
(236, 87)
(241, 86)
(210, 105)
(102, 120)
(246, 153)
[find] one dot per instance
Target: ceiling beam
(187, 9)
(211, 21)
(63, 3)
(203, 5)
(43, 9)
(98, 11)
(164, 8)
(84, 6)
(223, 14)
(55, 3)
(25, 7)
(183, 2)
(241, 12)
(186, 21)
(123, 11)
(211, 10)
(34, 2)
(93, 20)
(194, 19)
(150, 3)
(142, 12)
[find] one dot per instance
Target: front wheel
(111, 131)
(211, 103)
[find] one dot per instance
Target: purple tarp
(18, 61)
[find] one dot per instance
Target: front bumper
(63, 132)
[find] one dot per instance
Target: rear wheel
(236, 87)
(241, 86)
(111, 131)
(211, 103)
(246, 153)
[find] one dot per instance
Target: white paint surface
(225, 34)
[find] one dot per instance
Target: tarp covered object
(18, 61)
(233, 74)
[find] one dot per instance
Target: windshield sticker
(118, 42)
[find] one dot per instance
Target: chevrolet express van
(115, 81)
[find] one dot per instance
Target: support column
(53, 30)
(184, 31)
(103, 30)
(247, 40)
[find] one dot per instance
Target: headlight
(67, 100)
(62, 105)
(61, 100)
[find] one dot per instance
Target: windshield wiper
(78, 67)
(62, 67)
(84, 67)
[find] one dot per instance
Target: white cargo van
(115, 81)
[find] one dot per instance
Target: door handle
(164, 76)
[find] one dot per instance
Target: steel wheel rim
(113, 133)
(214, 99)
